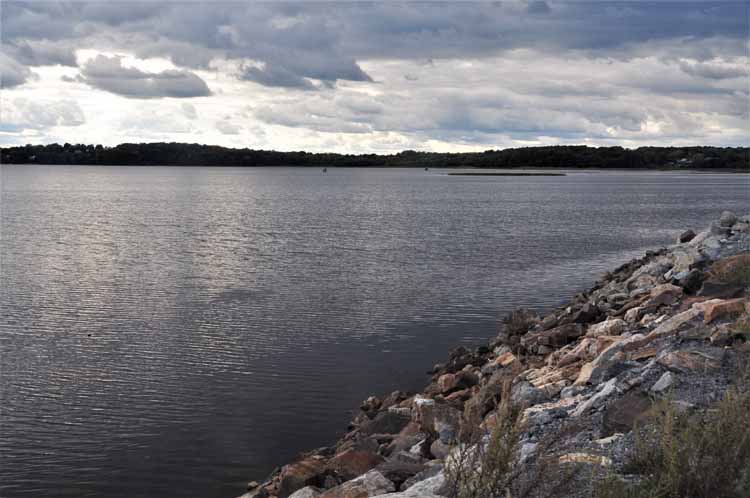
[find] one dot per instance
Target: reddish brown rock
(723, 309)
(613, 326)
(729, 265)
(665, 294)
(447, 382)
(354, 462)
(386, 422)
(643, 354)
(306, 472)
(408, 437)
(557, 337)
(686, 361)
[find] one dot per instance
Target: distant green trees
(577, 156)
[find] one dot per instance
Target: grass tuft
(679, 455)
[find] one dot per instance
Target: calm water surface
(175, 332)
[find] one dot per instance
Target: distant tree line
(578, 156)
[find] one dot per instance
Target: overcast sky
(383, 77)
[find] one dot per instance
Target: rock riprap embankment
(656, 327)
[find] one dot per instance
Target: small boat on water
(325, 170)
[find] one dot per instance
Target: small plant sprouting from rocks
(482, 464)
(486, 461)
(515, 324)
(519, 321)
(690, 456)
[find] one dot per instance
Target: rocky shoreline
(583, 376)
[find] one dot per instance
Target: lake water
(176, 332)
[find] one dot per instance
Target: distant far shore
(487, 173)
(693, 158)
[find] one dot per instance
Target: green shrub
(482, 464)
(690, 456)
(485, 463)
(518, 322)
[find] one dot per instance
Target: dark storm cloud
(12, 73)
(42, 53)
(714, 71)
(108, 73)
(301, 41)
(276, 76)
(458, 72)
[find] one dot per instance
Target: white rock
(306, 492)
(373, 482)
(614, 326)
(417, 448)
(676, 321)
(609, 440)
(428, 487)
(664, 383)
(633, 314)
(605, 391)
(527, 451)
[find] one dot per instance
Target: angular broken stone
(664, 383)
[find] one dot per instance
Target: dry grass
(514, 325)
(691, 456)
(485, 463)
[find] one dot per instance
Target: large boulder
(720, 290)
(372, 483)
(354, 462)
(727, 219)
(690, 280)
(730, 308)
(439, 420)
(386, 422)
(545, 341)
(407, 438)
(612, 326)
(686, 236)
(689, 361)
(524, 394)
(665, 294)
(306, 492)
(673, 324)
(623, 414)
(401, 467)
(431, 487)
(588, 313)
(463, 379)
(686, 258)
(665, 382)
(309, 471)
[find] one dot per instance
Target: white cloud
(24, 114)
(383, 77)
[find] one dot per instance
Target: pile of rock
(590, 370)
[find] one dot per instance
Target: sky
(376, 77)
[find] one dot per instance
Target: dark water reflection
(174, 332)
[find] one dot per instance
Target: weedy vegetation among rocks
(679, 454)
(619, 393)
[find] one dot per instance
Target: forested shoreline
(578, 156)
